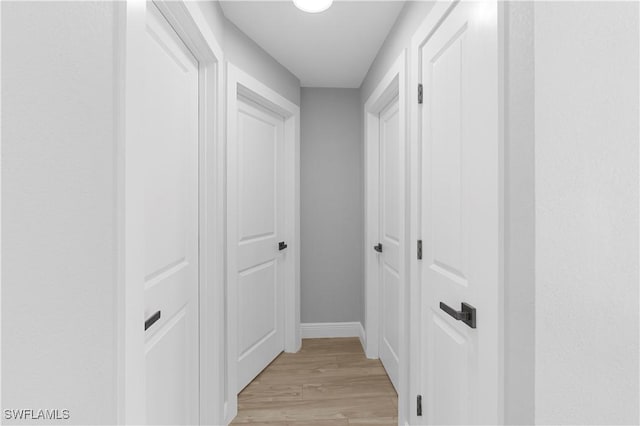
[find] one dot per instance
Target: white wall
(586, 166)
(519, 215)
(58, 213)
(413, 13)
(571, 296)
(59, 190)
(331, 193)
(410, 17)
(398, 39)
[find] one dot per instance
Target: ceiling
(334, 48)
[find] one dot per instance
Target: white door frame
(239, 83)
(189, 23)
(430, 24)
(392, 85)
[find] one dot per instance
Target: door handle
(151, 320)
(282, 245)
(467, 314)
(378, 247)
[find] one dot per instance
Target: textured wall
(58, 211)
(58, 199)
(586, 166)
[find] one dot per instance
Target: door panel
(260, 206)
(449, 348)
(446, 164)
(460, 215)
(390, 211)
(170, 224)
(258, 140)
(167, 373)
(170, 135)
(258, 291)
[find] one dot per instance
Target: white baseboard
(315, 330)
(363, 337)
(318, 330)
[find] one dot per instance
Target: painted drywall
(58, 212)
(59, 190)
(331, 196)
(519, 214)
(586, 179)
(399, 38)
(348, 33)
(244, 53)
(411, 16)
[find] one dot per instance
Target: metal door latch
(151, 320)
(467, 314)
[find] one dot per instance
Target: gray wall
(586, 174)
(58, 209)
(331, 222)
(244, 53)
(398, 39)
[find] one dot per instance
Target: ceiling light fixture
(313, 6)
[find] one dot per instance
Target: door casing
(391, 85)
(241, 84)
(189, 23)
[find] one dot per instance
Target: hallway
(329, 382)
(319, 212)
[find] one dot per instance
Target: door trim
(240, 83)
(392, 84)
(425, 30)
(190, 24)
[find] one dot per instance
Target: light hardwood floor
(329, 382)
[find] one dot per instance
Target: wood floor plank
(331, 409)
(357, 360)
(341, 422)
(276, 423)
(318, 376)
(345, 387)
(386, 421)
(303, 363)
(265, 392)
(329, 382)
(341, 346)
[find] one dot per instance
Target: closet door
(169, 132)
(390, 229)
(460, 214)
(258, 168)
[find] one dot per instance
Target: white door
(170, 137)
(259, 220)
(390, 237)
(461, 217)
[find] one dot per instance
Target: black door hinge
(419, 93)
(419, 249)
(419, 405)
